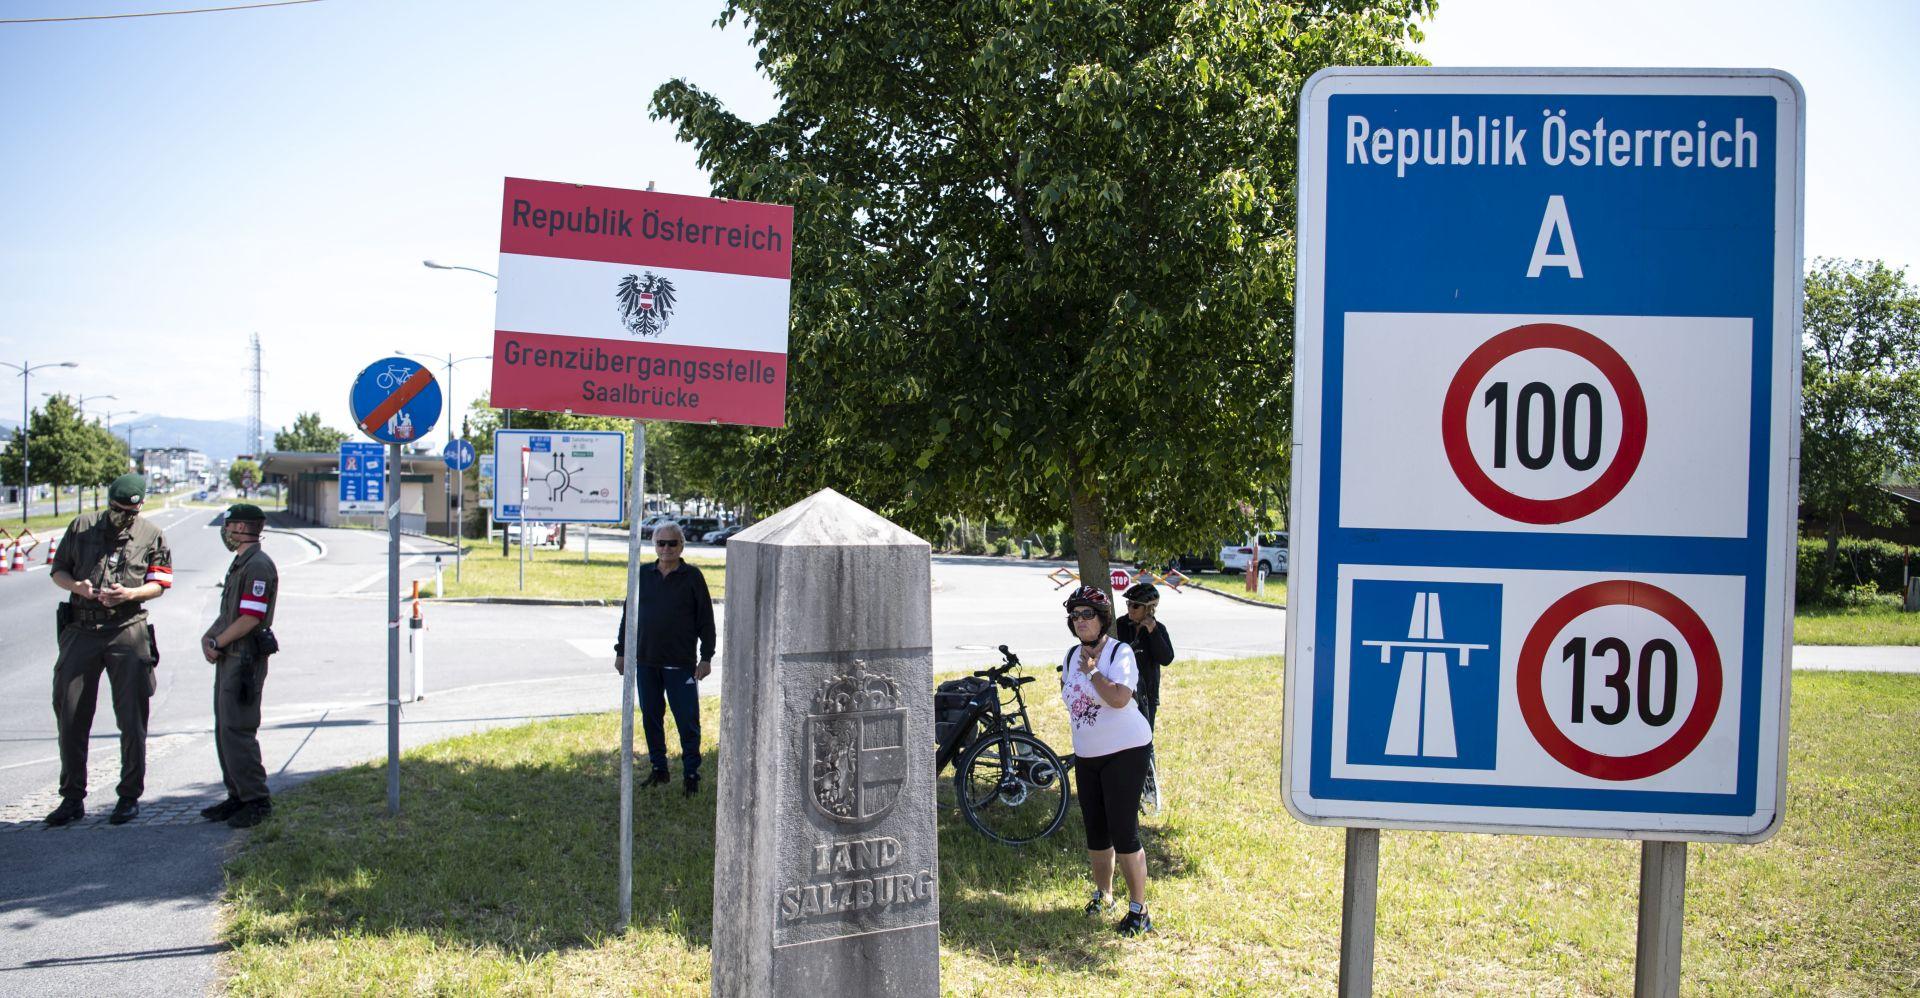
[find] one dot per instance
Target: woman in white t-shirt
(1111, 744)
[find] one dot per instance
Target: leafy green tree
(240, 471)
(60, 449)
(1860, 387)
(1043, 256)
(308, 434)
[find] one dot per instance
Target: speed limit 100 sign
(1546, 382)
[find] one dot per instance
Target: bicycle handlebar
(998, 673)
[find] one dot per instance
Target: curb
(1242, 599)
(534, 601)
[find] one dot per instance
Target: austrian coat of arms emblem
(856, 746)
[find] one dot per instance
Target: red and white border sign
(642, 305)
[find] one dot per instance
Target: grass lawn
(1237, 584)
(499, 876)
(558, 574)
(1879, 624)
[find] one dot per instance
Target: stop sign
(1118, 578)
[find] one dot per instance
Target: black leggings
(1110, 797)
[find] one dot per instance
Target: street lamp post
(431, 265)
(132, 454)
(26, 457)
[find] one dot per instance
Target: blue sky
(172, 184)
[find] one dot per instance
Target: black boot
(251, 813)
(691, 785)
(126, 810)
(658, 779)
(221, 811)
(69, 811)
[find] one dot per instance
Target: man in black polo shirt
(678, 615)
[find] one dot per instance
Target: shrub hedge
(1861, 561)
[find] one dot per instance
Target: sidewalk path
(1856, 658)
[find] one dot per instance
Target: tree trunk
(56, 499)
(1834, 527)
(1089, 512)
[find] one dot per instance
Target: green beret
(246, 511)
(128, 488)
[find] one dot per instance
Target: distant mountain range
(217, 438)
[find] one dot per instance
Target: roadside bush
(1862, 563)
(1004, 546)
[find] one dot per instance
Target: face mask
(226, 537)
(121, 518)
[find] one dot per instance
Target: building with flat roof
(312, 480)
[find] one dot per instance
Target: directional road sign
(1547, 378)
(458, 454)
(573, 476)
(395, 401)
(362, 489)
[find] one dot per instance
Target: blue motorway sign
(395, 400)
(362, 485)
(458, 454)
(1543, 499)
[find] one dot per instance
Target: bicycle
(392, 376)
(1012, 787)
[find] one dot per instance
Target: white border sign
(574, 476)
(1547, 383)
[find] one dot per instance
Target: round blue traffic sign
(395, 400)
(458, 455)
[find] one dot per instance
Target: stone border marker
(826, 868)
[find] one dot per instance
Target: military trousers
(237, 684)
(125, 654)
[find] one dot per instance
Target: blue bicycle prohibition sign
(395, 400)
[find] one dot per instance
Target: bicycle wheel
(1012, 787)
(1150, 800)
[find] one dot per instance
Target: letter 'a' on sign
(1545, 486)
(1554, 225)
(642, 305)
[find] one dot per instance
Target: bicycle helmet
(1142, 592)
(1089, 596)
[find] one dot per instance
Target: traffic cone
(6, 558)
(19, 558)
(50, 546)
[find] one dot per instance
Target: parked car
(1199, 561)
(720, 536)
(697, 527)
(647, 525)
(542, 535)
(1272, 555)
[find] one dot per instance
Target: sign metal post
(1663, 893)
(631, 641)
(394, 401)
(1359, 893)
(393, 629)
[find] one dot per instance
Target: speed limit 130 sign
(1547, 373)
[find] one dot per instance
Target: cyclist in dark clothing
(1147, 636)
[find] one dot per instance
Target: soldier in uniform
(112, 562)
(239, 644)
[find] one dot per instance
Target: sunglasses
(666, 544)
(1083, 615)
